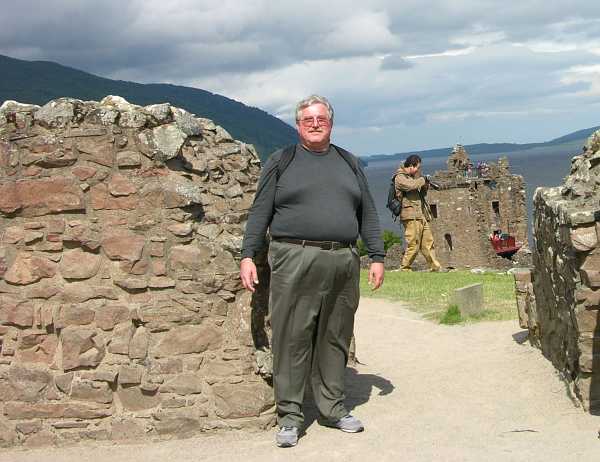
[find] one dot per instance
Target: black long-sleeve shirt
(318, 197)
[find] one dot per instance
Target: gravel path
(425, 393)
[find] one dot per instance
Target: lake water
(538, 167)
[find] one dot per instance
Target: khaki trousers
(314, 296)
(418, 237)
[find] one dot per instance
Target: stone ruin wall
(121, 311)
(559, 301)
(465, 216)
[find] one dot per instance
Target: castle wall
(560, 300)
(469, 207)
(121, 310)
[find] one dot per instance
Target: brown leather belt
(323, 245)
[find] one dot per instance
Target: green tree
(389, 239)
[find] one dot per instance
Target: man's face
(314, 127)
(414, 169)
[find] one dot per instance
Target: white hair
(313, 99)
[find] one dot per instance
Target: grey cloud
(225, 42)
(395, 63)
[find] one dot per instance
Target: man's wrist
(247, 254)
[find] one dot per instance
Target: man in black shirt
(315, 210)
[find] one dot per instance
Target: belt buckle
(330, 245)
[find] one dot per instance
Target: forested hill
(38, 82)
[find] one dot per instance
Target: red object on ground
(506, 246)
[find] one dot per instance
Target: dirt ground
(425, 392)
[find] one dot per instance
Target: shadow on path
(521, 337)
(359, 388)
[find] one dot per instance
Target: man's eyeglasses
(309, 121)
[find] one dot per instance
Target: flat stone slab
(469, 299)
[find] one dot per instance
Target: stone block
(469, 299)
(187, 257)
(37, 197)
(77, 264)
(29, 383)
(27, 428)
(584, 238)
(79, 292)
(81, 347)
(27, 269)
(183, 384)
(87, 390)
(590, 277)
(242, 400)
(15, 312)
(95, 151)
(108, 316)
(134, 399)
(181, 229)
(177, 421)
(120, 185)
(160, 282)
(129, 375)
(44, 290)
(14, 410)
(123, 245)
(138, 347)
(101, 199)
(100, 375)
(75, 315)
(127, 430)
(587, 321)
(122, 334)
(41, 439)
(131, 284)
(63, 381)
(84, 173)
(589, 349)
(56, 113)
(37, 348)
(8, 435)
(128, 159)
(188, 339)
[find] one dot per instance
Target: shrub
(451, 316)
(389, 239)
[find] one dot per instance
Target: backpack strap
(289, 152)
(349, 158)
(284, 161)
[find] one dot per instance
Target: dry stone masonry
(121, 311)
(559, 302)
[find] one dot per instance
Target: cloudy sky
(402, 74)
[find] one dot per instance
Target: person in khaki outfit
(415, 214)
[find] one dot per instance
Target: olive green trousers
(314, 296)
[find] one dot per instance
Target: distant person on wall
(415, 214)
(314, 199)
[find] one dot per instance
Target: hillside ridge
(38, 82)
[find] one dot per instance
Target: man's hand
(248, 274)
(376, 275)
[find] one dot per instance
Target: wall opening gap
(448, 239)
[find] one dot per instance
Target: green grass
(451, 316)
(428, 293)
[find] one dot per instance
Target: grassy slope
(427, 293)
